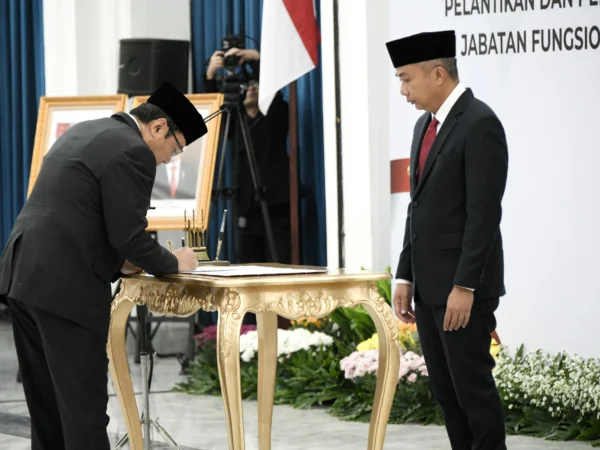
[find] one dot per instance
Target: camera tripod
(243, 128)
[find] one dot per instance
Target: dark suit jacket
(186, 189)
(84, 217)
(452, 235)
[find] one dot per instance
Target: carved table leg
(228, 355)
(119, 370)
(267, 371)
(387, 372)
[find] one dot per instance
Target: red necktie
(173, 180)
(427, 143)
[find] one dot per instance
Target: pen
(194, 240)
(170, 246)
(221, 234)
(184, 239)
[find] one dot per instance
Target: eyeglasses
(179, 151)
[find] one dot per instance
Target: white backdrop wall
(81, 39)
(364, 119)
(547, 101)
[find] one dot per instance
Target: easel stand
(146, 364)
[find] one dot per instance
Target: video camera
(234, 85)
(230, 63)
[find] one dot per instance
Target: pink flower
(210, 334)
(361, 363)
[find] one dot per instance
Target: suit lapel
(415, 151)
(440, 139)
(443, 134)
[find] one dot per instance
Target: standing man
(85, 221)
(452, 258)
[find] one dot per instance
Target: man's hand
(247, 54)
(186, 259)
(458, 309)
(216, 63)
(128, 268)
(403, 303)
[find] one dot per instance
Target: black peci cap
(181, 110)
(422, 47)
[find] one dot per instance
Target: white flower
(561, 383)
(288, 342)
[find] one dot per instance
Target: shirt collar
(446, 107)
(135, 120)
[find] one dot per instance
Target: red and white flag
(288, 48)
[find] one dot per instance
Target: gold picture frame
(184, 186)
(57, 114)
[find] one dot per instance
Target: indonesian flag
(288, 47)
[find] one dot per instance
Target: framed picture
(183, 187)
(57, 114)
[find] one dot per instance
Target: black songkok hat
(422, 47)
(181, 110)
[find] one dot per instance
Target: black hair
(147, 112)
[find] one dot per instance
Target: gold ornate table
(291, 296)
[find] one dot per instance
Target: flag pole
(294, 201)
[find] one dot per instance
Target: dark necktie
(426, 145)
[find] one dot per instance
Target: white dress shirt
(441, 116)
(135, 120)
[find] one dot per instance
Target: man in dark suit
(452, 258)
(83, 223)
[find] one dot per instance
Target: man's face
(252, 94)
(418, 85)
(162, 142)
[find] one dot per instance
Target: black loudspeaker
(144, 63)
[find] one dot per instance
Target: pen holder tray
(202, 257)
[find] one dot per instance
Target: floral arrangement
(366, 362)
(288, 342)
(562, 392)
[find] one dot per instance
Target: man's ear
(158, 125)
(440, 75)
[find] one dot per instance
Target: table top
(327, 276)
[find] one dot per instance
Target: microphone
(224, 107)
(221, 236)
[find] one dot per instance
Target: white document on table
(249, 271)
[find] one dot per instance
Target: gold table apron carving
(293, 297)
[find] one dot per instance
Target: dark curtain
(21, 85)
(211, 21)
